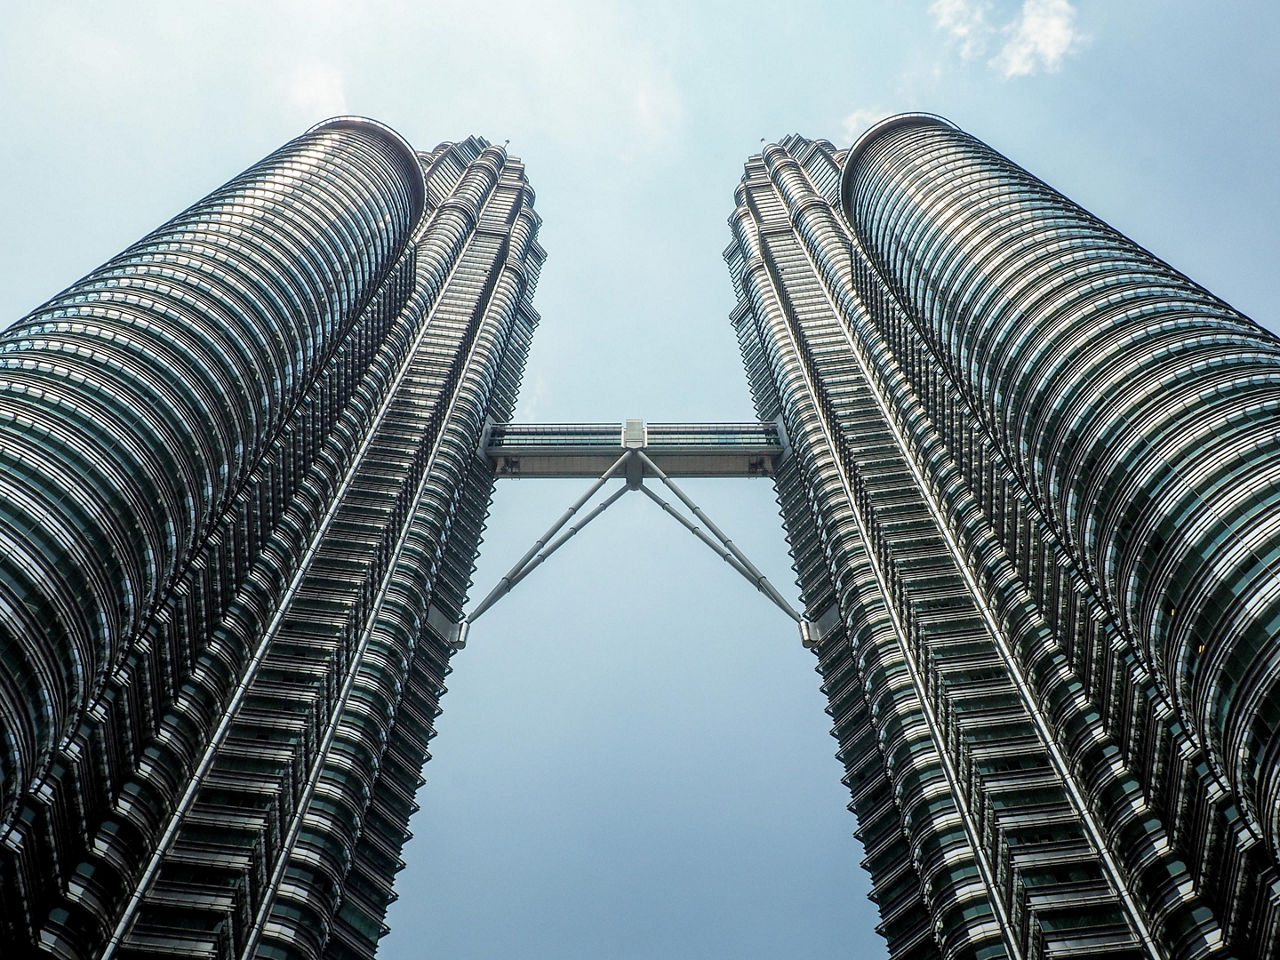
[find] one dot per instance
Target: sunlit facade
(239, 503)
(1035, 511)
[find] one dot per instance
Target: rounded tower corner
(399, 147)
(873, 133)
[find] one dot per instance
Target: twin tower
(1029, 474)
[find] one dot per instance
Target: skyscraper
(1033, 507)
(239, 503)
(1028, 472)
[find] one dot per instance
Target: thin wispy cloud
(317, 90)
(1039, 37)
(657, 109)
(965, 22)
(857, 122)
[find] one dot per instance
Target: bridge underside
(678, 449)
(633, 451)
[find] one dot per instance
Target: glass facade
(1028, 472)
(239, 504)
(1033, 509)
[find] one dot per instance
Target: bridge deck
(589, 449)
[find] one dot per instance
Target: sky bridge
(633, 451)
(678, 449)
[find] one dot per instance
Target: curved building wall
(976, 772)
(1138, 410)
(134, 404)
(247, 468)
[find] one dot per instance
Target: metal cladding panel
(1135, 406)
(135, 403)
(1041, 384)
(263, 423)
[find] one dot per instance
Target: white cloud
(1041, 37)
(317, 91)
(857, 122)
(965, 21)
(533, 398)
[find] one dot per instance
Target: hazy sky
(633, 759)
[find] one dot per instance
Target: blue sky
(633, 759)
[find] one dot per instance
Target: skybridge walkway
(678, 449)
(633, 451)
